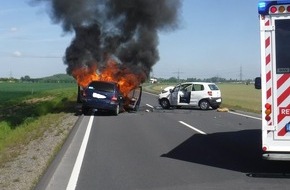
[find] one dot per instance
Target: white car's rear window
(213, 87)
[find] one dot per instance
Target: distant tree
(25, 78)
(193, 80)
(173, 80)
(215, 79)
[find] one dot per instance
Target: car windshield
(102, 86)
(213, 87)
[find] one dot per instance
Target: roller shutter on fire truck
(275, 77)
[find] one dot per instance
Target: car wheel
(117, 110)
(164, 104)
(203, 104)
(85, 110)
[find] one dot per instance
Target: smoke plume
(126, 30)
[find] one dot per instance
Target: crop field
(241, 97)
(14, 92)
(235, 96)
(28, 109)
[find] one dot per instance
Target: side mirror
(258, 83)
(171, 90)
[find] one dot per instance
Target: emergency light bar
(274, 7)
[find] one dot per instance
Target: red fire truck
(274, 82)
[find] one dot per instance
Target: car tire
(204, 105)
(85, 110)
(117, 110)
(164, 103)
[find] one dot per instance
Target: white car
(192, 94)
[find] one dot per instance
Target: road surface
(165, 149)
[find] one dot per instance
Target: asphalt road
(165, 149)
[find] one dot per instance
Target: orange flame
(126, 79)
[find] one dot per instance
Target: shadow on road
(238, 151)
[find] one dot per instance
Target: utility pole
(241, 73)
(178, 74)
(10, 75)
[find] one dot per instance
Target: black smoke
(124, 29)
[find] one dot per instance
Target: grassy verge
(235, 96)
(29, 113)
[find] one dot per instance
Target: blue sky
(215, 38)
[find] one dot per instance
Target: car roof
(197, 83)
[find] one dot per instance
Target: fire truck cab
(274, 17)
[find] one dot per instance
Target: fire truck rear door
(281, 78)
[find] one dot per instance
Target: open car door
(133, 99)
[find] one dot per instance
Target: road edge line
(77, 166)
(244, 115)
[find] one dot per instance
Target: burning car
(113, 42)
(106, 96)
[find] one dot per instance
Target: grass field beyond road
(27, 110)
(235, 96)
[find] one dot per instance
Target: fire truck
(274, 17)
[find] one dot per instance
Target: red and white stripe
(268, 68)
(283, 99)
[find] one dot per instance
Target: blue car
(106, 96)
(102, 96)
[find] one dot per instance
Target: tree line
(59, 78)
(212, 79)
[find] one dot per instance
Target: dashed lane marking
(191, 127)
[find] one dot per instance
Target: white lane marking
(77, 167)
(245, 115)
(191, 127)
(149, 106)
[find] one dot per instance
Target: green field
(27, 110)
(241, 97)
(235, 96)
(14, 92)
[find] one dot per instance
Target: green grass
(27, 110)
(235, 96)
(15, 92)
(241, 97)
